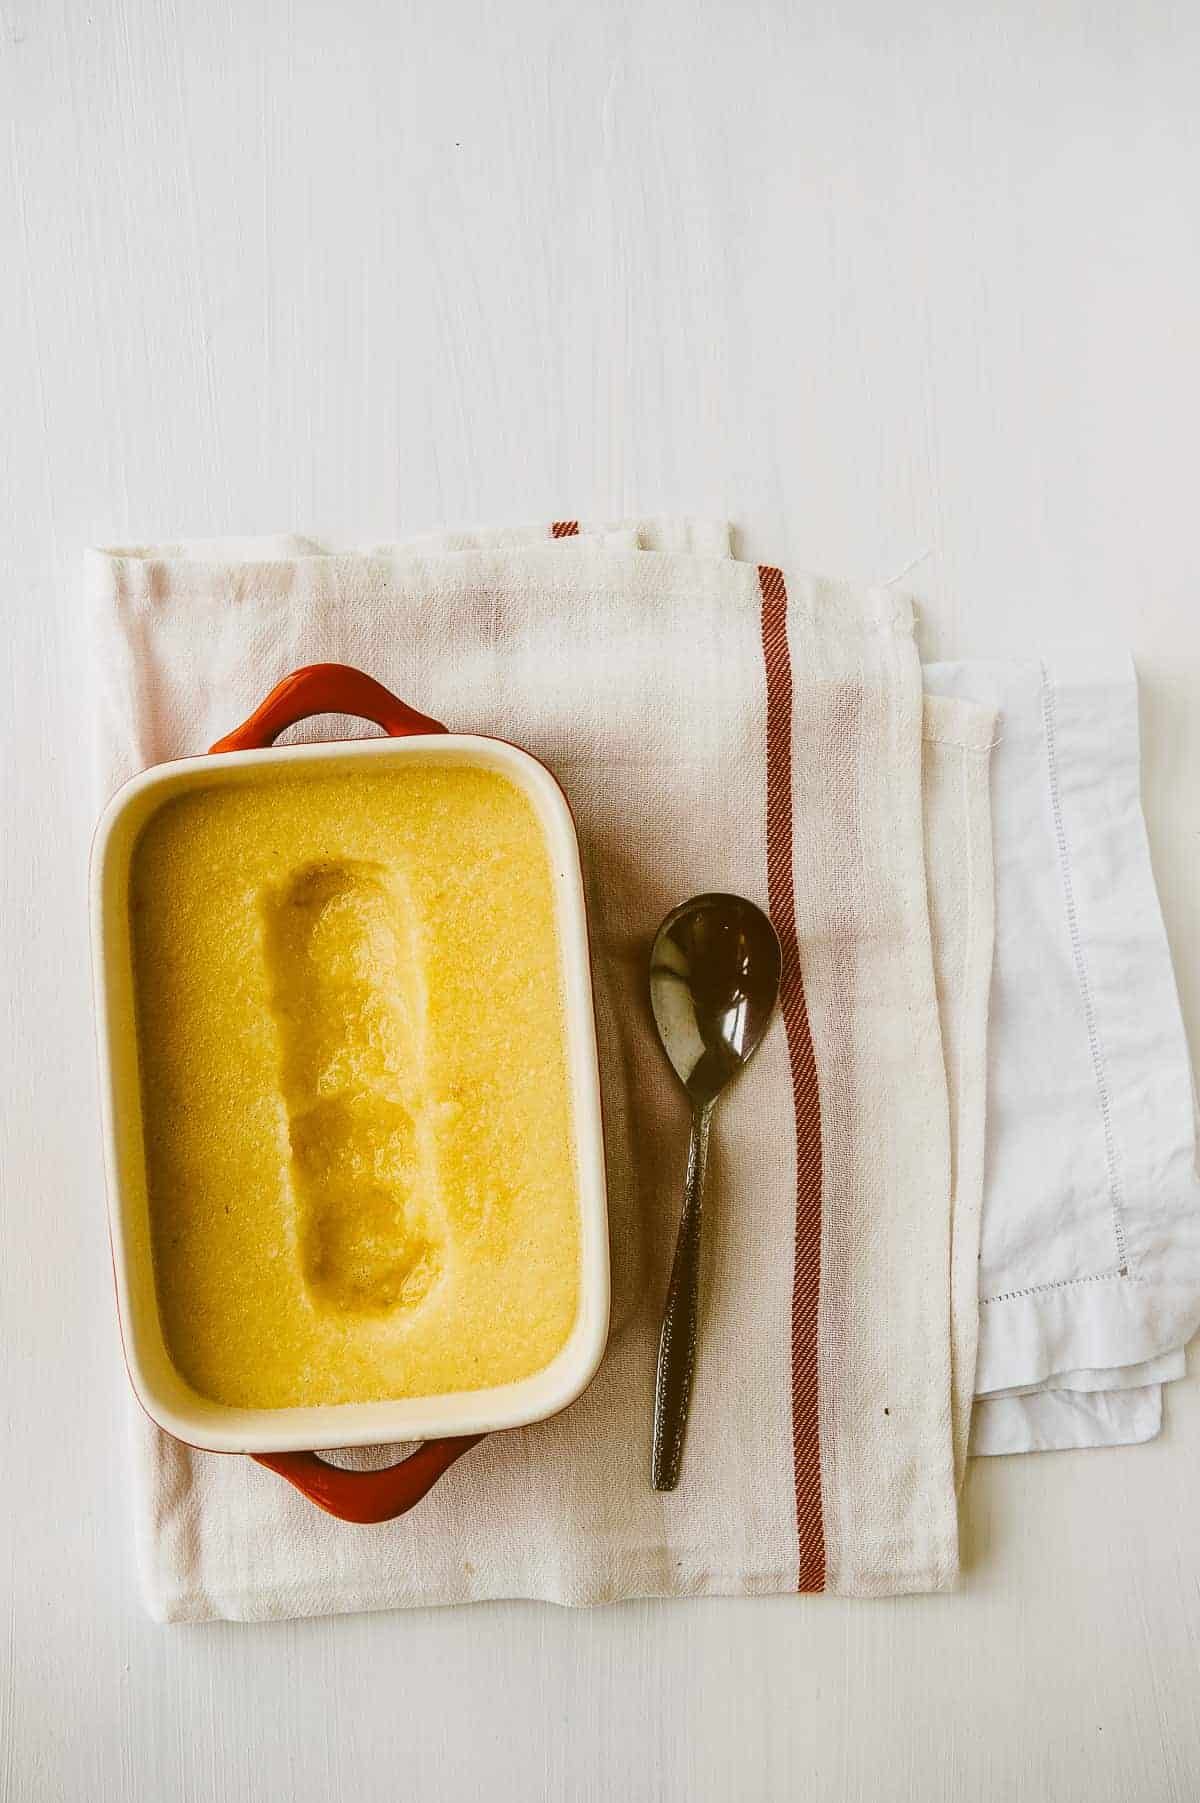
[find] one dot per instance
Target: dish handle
(325, 689)
(368, 1496)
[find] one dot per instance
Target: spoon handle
(677, 1346)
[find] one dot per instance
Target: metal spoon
(714, 981)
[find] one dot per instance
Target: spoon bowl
(714, 983)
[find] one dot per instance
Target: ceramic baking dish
(286, 1438)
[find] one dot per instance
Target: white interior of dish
(163, 1393)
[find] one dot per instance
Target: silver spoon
(714, 981)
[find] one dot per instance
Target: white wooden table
(878, 279)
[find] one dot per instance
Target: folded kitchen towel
(716, 726)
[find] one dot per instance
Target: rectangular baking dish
(248, 754)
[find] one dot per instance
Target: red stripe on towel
(806, 1279)
(564, 529)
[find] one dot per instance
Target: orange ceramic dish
(341, 1212)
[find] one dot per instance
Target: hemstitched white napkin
(1090, 1256)
(715, 726)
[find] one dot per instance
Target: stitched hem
(979, 751)
(1081, 972)
(1058, 1283)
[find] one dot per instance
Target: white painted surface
(876, 279)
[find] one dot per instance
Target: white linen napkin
(1090, 1256)
(715, 726)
